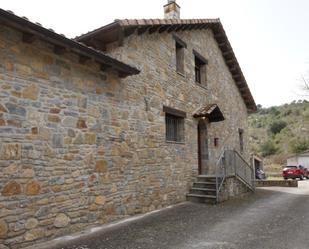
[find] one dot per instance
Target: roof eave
(166, 25)
(25, 26)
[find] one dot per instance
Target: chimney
(171, 10)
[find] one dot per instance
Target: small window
(180, 58)
(180, 54)
(200, 72)
(174, 128)
(241, 140)
(200, 69)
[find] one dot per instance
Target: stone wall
(276, 183)
(80, 147)
(233, 188)
(161, 85)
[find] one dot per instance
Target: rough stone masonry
(81, 147)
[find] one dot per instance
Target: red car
(295, 172)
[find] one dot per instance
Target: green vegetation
(299, 145)
(280, 130)
(277, 132)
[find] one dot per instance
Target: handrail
(237, 166)
(219, 185)
(241, 157)
(245, 164)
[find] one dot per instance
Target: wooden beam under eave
(236, 76)
(229, 52)
(129, 31)
(28, 38)
(164, 28)
(59, 49)
(233, 68)
(222, 44)
(120, 37)
(228, 62)
(105, 67)
(172, 28)
(219, 36)
(153, 29)
(83, 59)
(241, 85)
(142, 30)
(191, 26)
(204, 26)
(97, 44)
(180, 27)
(123, 75)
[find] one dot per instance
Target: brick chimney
(171, 10)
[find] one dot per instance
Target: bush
(277, 126)
(274, 111)
(299, 145)
(268, 148)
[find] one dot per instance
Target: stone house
(126, 119)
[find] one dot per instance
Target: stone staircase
(203, 190)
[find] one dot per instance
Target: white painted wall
(299, 160)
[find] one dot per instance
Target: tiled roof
(211, 111)
(119, 29)
(32, 30)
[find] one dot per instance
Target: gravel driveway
(272, 218)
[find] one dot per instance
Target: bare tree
(306, 84)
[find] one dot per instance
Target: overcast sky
(270, 37)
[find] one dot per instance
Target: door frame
(199, 132)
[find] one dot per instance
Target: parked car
(260, 174)
(294, 172)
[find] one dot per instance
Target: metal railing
(220, 173)
(231, 163)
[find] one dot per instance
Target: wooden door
(203, 154)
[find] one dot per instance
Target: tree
(268, 148)
(277, 126)
(305, 86)
(299, 145)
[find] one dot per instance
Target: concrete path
(272, 218)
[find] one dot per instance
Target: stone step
(207, 178)
(204, 189)
(203, 185)
(210, 199)
(209, 183)
(202, 196)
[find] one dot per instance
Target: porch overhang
(212, 112)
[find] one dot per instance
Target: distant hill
(278, 131)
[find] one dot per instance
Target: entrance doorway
(203, 153)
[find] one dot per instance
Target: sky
(270, 37)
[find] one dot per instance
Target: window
(200, 69)
(174, 128)
(180, 54)
(241, 140)
(174, 124)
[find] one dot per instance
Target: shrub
(299, 145)
(274, 111)
(268, 148)
(277, 126)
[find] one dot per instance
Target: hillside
(278, 131)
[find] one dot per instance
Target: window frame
(200, 69)
(180, 47)
(174, 125)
